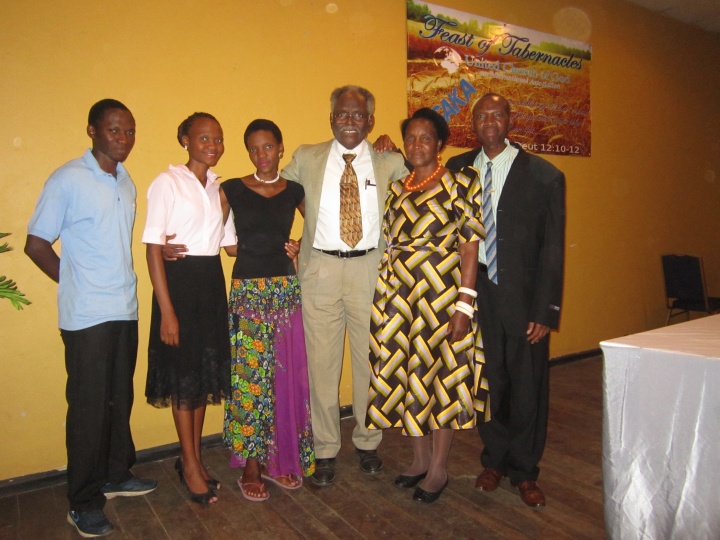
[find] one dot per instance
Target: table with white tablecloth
(661, 433)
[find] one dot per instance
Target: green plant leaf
(8, 288)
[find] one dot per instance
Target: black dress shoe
(324, 472)
(370, 462)
(405, 481)
(421, 495)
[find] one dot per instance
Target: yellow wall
(650, 186)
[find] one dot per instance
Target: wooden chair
(685, 289)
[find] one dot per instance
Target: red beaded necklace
(407, 185)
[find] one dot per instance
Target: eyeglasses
(345, 116)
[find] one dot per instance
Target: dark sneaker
(129, 488)
(90, 524)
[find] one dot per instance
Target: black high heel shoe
(203, 499)
(213, 484)
(421, 495)
(405, 481)
(179, 470)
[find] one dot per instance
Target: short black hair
(97, 111)
(261, 124)
(184, 127)
(442, 130)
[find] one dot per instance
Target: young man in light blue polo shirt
(89, 204)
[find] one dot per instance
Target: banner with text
(455, 57)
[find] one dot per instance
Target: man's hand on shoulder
(384, 144)
(173, 252)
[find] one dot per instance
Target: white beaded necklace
(267, 181)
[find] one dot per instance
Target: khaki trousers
(337, 297)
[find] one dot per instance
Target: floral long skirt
(267, 416)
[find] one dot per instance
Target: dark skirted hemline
(197, 372)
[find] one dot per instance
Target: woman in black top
(267, 418)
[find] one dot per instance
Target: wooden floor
(359, 506)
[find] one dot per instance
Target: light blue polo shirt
(93, 214)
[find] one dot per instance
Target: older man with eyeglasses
(345, 183)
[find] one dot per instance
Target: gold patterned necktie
(350, 217)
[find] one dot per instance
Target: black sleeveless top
(262, 225)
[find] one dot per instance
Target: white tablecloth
(661, 433)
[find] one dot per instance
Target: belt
(482, 268)
(345, 254)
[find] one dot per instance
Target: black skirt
(198, 371)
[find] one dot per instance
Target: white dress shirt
(327, 233)
(500, 168)
(178, 204)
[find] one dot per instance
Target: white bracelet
(465, 305)
(465, 290)
(465, 308)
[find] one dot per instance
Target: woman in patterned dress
(426, 361)
(267, 417)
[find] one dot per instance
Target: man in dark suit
(519, 287)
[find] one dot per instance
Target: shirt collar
(183, 170)
(359, 150)
(89, 159)
(508, 153)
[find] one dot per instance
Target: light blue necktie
(490, 230)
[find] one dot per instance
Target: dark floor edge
(31, 482)
(346, 412)
(574, 357)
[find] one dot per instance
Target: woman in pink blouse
(189, 350)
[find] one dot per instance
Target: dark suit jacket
(531, 240)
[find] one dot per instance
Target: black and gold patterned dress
(419, 381)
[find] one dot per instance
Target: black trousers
(100, 364)
(517, 374)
